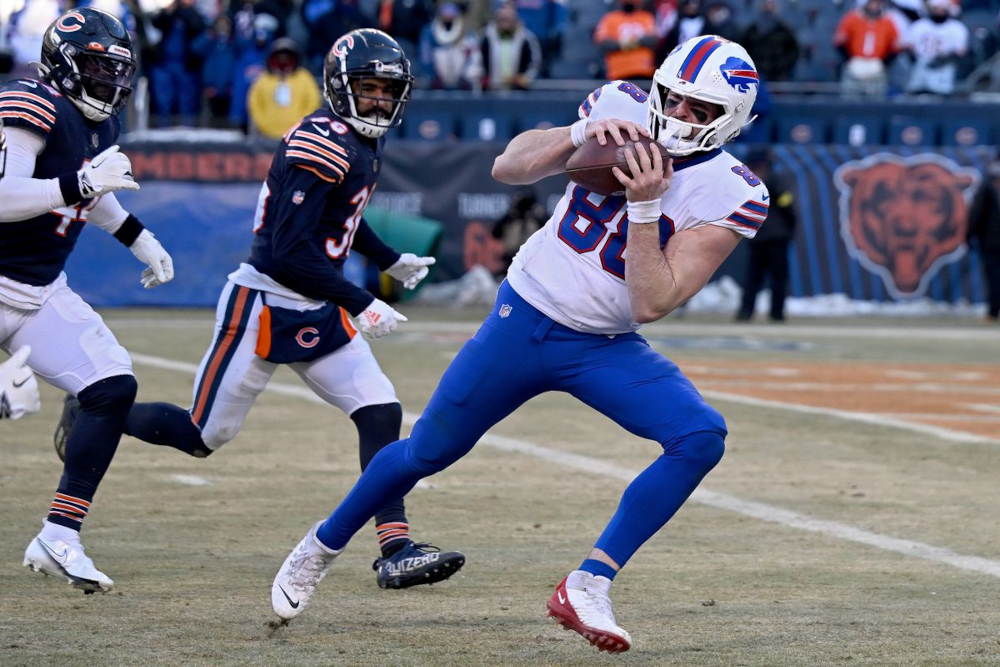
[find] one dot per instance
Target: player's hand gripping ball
(591, 164)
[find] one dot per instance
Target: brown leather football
(590, 166)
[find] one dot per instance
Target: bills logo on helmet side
(739, 74)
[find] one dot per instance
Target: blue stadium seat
(966, 132)
(912, 131)
(429, 125)
(801, 130)
(858, 131)
(487, 126)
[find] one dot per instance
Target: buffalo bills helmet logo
(739, 74)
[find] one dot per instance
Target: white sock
(582, 580)
(53, 532)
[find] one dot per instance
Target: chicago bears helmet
(707, 68)
(87, 55)
(366, 54)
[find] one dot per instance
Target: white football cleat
(299, 575)
(581, 604)
(67, 561)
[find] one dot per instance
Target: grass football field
(853, 520)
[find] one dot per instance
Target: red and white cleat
(581, 604)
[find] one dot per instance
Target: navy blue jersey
(34, 251)
(310, 210)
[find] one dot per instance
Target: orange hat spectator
(627, 36)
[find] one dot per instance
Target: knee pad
(379, 420)
(378, 425)
(111, 395)
(703, 449)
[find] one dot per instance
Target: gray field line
(714, 499)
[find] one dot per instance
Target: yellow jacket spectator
(283, 94)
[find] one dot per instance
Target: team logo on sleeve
(739, 74)
(904, 218)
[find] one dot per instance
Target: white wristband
(644, 212)
(578, 132)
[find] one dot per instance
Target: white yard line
(722, 501)
(190, 480)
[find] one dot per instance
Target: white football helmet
(708, 68)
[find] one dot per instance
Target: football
(590, 166)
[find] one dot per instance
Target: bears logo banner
(904, 218)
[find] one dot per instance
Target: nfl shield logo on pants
(505, 310)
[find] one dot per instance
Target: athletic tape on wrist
(578, 132)
(643, 212)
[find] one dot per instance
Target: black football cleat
(417, 564)
(71, 408)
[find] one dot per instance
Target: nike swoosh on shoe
(294, 603)
(59, 557)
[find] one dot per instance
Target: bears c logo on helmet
(343, 45)
(904, 218)
(71, 22)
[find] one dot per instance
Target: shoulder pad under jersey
(616, 99)
(319, 144)
(29, 104)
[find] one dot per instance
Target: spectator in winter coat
(175, 70)
(720, 20)
(868, 39)
(217, 50)
(688, 24)
(449, 52)
(771, 43)
(250, 65)
(546, 20)
(627, 37)
(511, 54)
(937, 42)
(282, 95)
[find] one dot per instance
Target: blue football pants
(519, 353)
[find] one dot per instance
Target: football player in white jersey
(569, 310)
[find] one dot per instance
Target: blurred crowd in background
(254, 64)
